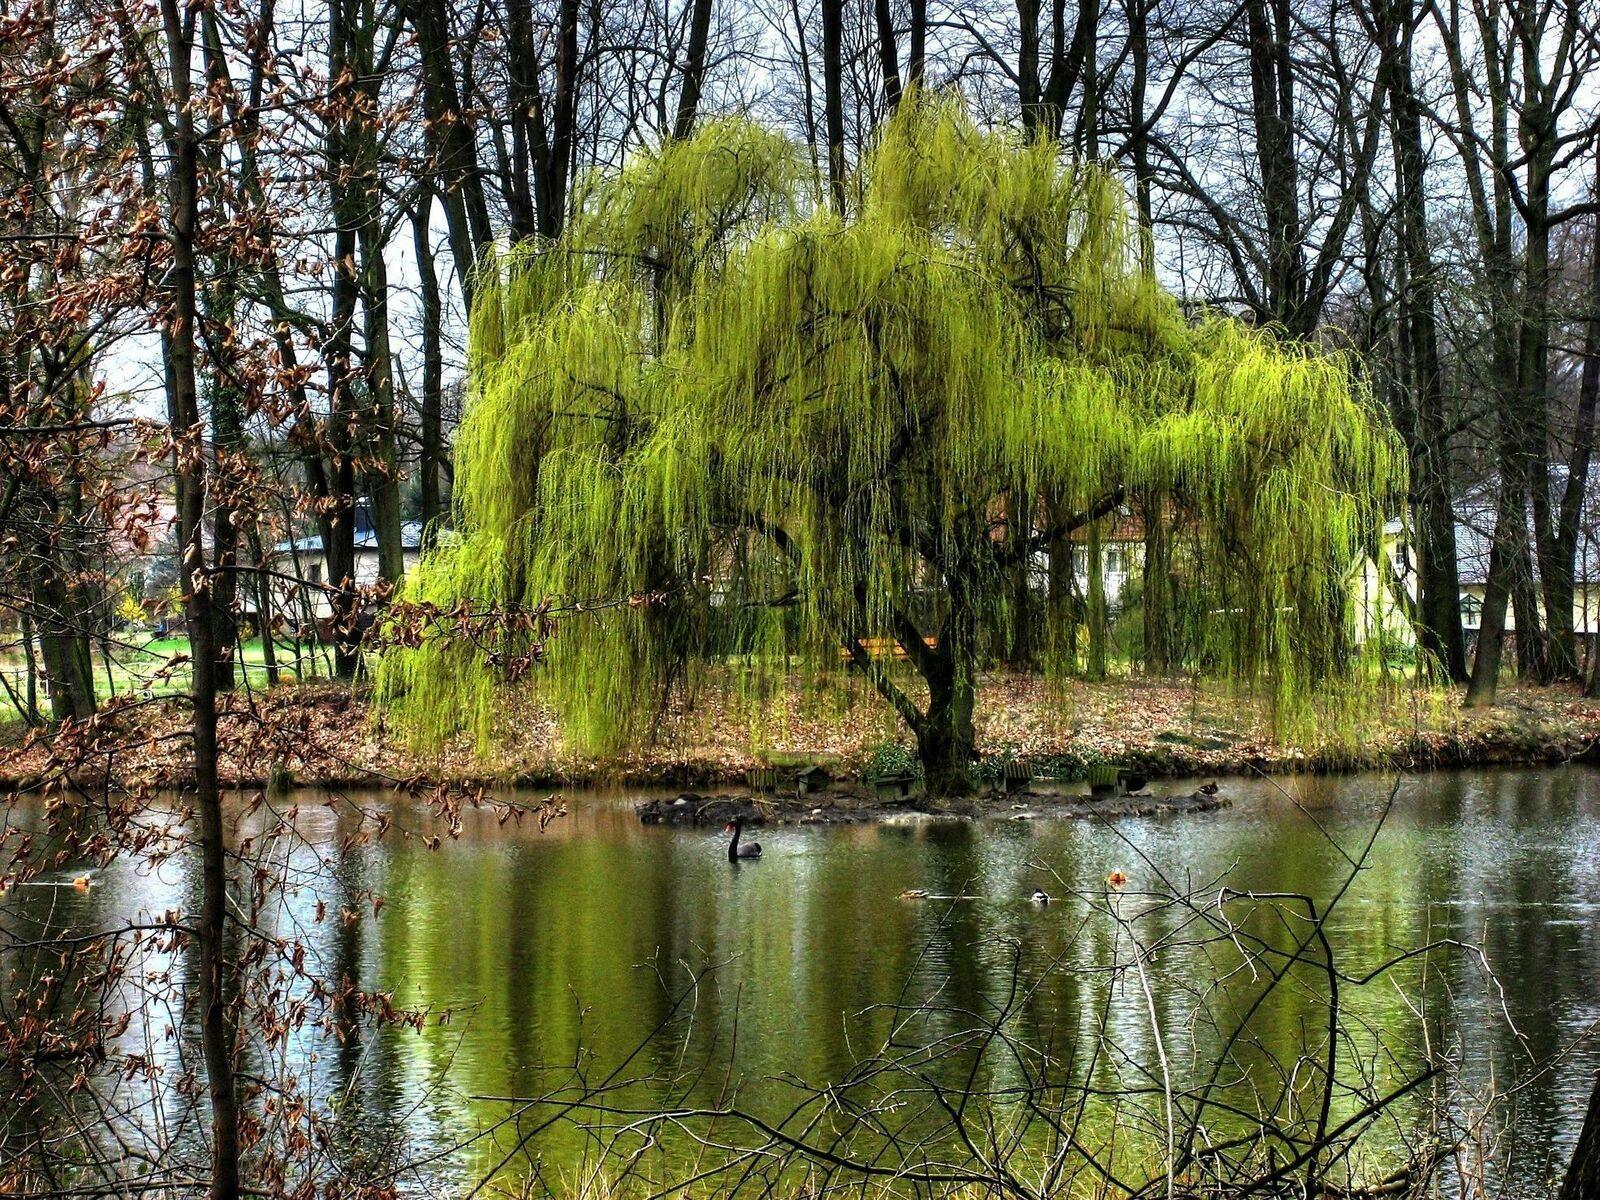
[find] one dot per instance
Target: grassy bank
(327, 733)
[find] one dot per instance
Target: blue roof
(366, 539)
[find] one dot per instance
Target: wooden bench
(884, 647)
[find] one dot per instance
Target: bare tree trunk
(1510, 535)
(344, 423)
(888, 53)
(1272, 96)
(526, 117)
(264, 613)
(1532, 644)
(1030, 98)
(216, 1024)
(1438, 571)
(219, 304)
(449, 134)
(31, 666)
(363, 150)
(1068, 59)
(917, 43)
(383, 483)
(63, 639)
(1559, 569)
(1557, 648)
(1582, 1181)
(432, 450)
(553, 148)
(833, 95)
(1139, 138)
(694, 68)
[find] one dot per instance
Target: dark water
(573, 945)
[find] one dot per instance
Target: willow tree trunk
(1061, 617)
(1158, 632)
(1021, 652)
(946, 739)
(946, 743)
(1098, 615)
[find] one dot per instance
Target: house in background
(1475, 540)
(304, 559)
(1121, 558)
(1377, 594)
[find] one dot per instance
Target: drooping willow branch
(981, 327)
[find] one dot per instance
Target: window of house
(1114, 560)
(314, 573)
(1402, 559)
(1471, 610)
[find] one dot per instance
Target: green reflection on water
(572, 943)
(570, 946)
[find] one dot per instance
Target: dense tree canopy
(800, 434)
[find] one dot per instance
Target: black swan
(735, 850)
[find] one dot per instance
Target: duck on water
(737, 850)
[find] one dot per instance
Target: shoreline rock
(697, 809)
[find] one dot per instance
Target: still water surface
(576, 940)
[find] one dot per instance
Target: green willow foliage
(795, 430)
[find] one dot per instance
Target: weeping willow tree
(798, 433)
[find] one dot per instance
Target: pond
(578, 944)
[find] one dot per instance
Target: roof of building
(366, 540)
(1475, 541)
(1475, 520)
(366, 535)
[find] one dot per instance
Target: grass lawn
(139, 662)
